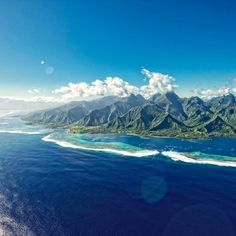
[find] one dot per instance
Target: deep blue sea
(47, 188)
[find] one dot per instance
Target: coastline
(70, 129)
(187, 136)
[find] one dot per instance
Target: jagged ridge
(166, 114)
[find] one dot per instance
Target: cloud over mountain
(110, 86)
(216, 91)
(157, 83)
(211, 93)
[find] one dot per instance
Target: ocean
(52, 183)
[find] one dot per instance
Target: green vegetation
(162, 115)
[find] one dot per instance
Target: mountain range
(69, 113)
(165, 114)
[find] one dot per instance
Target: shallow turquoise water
(107, 143)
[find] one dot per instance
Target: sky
(72, 50)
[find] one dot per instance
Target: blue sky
(81, 41)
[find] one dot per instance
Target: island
(161, 115)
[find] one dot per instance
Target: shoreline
(146, 134)
(151, 135)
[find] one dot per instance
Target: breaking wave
(201, 158)
(134, 153)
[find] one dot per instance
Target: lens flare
(153, 189)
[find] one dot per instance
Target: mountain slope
(197, 111)
(229, 114)
(111, 112)
(149, 117)
(171, 103)
(167, 122)
(69, 113)
(217, 124)
(218, 103)
(165, 114)
(139, 118)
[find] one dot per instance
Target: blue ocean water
(48, 189)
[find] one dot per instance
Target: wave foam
(177, 156)
(121, 152)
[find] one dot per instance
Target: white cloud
(110, 86)
(217, 92)
(119, 87)
(157, 83)
(211, 93)
(34, 91)
(44, 99)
